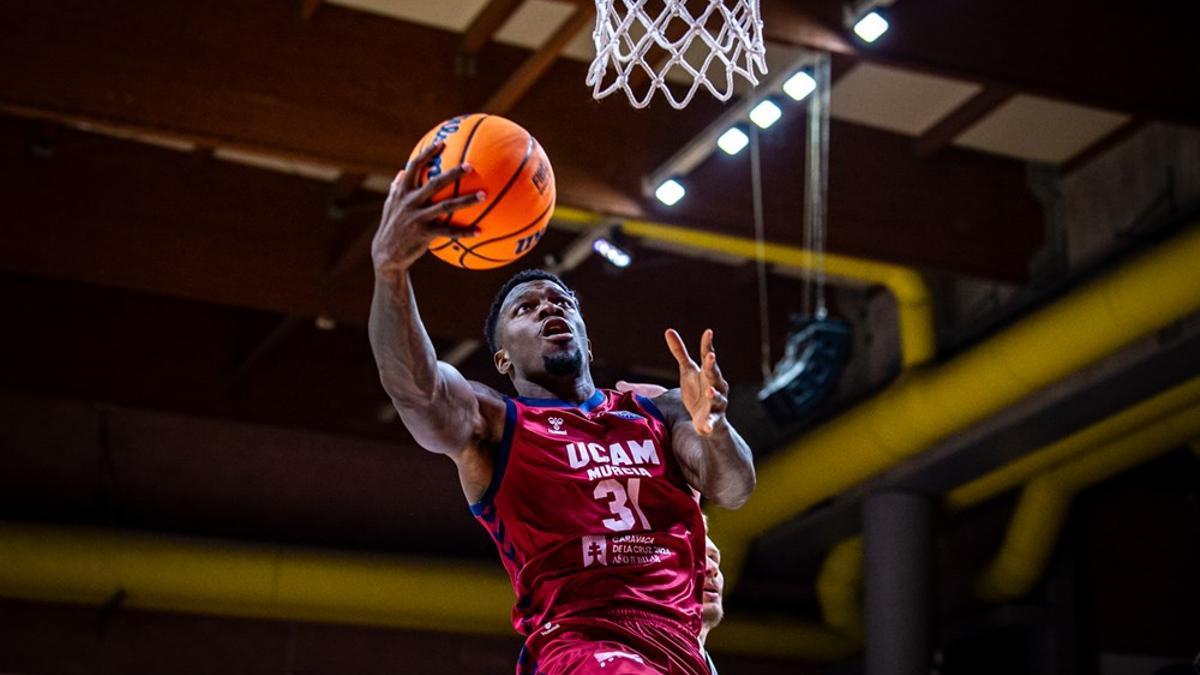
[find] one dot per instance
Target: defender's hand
(410, 216)
(641, 388)
(703, 390)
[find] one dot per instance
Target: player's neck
(574, 390)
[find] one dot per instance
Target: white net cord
(659, 37)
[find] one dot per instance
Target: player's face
(542, 332)
(714, 585)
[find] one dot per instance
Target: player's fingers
(706, 342)
(717, 401)
(713, 372)
(393, 199)
(641, 388)
(416, 166)
(428, 190)
(448, 206)
(678, 349)
(452, 231)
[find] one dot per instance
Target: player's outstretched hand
(703, 390)
(641, 388)
(411, 218)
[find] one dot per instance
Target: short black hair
(493, 317)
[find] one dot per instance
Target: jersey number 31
(620, 499)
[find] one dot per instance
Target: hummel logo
(556, 424)
(550, 628)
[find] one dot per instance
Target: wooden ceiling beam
(395, 90)
(539, 62)
(485, 25)
(960, 119)
(1002, 44)
(1103, 145)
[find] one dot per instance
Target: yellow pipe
(1013, 474)
(840, 578)
(1046, 501)
(170, 573)
(928, 405)
(839, 587)
(914, 302)
(159, 572)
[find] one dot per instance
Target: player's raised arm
(439, 406)
(714, 458)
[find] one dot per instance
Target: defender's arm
(714, 457)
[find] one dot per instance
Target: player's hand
(703, 390)
(411, 219)
(641, 388)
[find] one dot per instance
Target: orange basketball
(511, 167)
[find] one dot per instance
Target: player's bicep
(458, 414)
(685, 442)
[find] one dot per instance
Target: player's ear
(503, 363)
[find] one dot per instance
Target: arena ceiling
(188, 187)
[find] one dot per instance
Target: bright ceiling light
(611, 252)
(765, 114)
(870, 27)
(733, 140)
(799, 85)
(670, 191)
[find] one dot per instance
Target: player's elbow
(734, 491)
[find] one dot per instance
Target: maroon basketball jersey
(591, 513)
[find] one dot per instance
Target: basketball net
(660, 37)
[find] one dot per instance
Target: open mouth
(557, 330)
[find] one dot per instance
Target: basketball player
(588, 493)
(713, 609)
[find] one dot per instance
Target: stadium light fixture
(695, 151)
(870, 26)
(733, 141)
(765, 114)
(611, 252)
(799, 85)
(669, 192)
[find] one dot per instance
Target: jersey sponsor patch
(627, 550)
(625, 414)
(595, 550)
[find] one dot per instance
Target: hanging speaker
(811, 365)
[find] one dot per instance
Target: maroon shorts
(627, 643)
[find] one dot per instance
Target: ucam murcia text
(628, 459)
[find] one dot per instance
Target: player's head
(535, 329)
(712, 609)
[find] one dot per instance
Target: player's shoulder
(669, 405)
(632, 403)
(496, 410)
